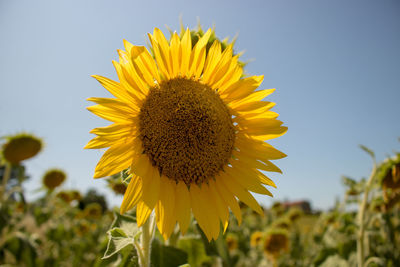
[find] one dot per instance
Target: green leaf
(117, 241)
(119, 219)
(166, 256)
(216, 247)
(369, 151)
(334, 261)
(195, 250)
(348, 181)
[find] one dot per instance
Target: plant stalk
(6, 177)
(361, 219)
(145, 242)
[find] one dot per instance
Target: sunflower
(21, 147)
(256, 238)
(276, 242)
(53, 178)
(190, 128)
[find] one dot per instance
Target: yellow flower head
(75, 195)
(190, 128)
(275, 243)
(392, 178)
(21, 147)
(118, 188)
(232, 242)
(256, 238)
(283, 223)
(64, 196)
(83, 227)
(53, 178)
(294, 214)
(93, 211)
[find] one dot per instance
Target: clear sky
(335, 64)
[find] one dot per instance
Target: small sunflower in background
(232, 242)
(53, 178)
(283, 223)
(256, 238)
(21, 147)
(93, 211)
(64, 196)
(191, 128)
(276, 242)
(117, 185)
(75, 195)
(294, 214)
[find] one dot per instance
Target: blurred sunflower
(53, 178)
(93, 211)
(256, 238)
(232, 242)
(191, 129)
(275, 243)
(21, 147)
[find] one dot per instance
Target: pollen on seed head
(186, 130)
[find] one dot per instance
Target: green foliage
(194, 247)
(51, 231)
(167, 256)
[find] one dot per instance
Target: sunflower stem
(145, 242)
(361, 219)
(6, 177)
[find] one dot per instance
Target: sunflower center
(186, 130)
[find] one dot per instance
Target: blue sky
(335, 64)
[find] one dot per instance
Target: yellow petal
(117, 158)
(214, 54)
(222, 64)
(241, 193)
(116, 104)
(242, 88)
(129, 78)
(212, 210)
(222, 208)
(253, 173)
(115, 89)
(150, 180)
(200, 211)
(234, 77)
(164, 49)
(198, 56)
(254, 107)
(175, 55)
(110, 114)
(146, 62)
(119, 129)
(228, 198)
(253, 97)
(165, 210)
(258, 115)
(110, 140)
(253, 162)
(227, 74)
(185, 51)
(259, 125)
(160, 57)
(182, 205)
(266, 133)
(128, 46)
(132, 194)
(142, 213)
(247, 179)
(258, 149)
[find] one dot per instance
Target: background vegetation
(69, 228)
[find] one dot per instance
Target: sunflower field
(186, 148)
(72, 228)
